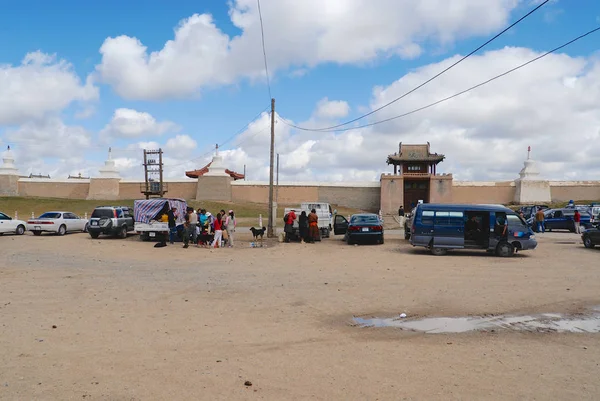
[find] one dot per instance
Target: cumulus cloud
(128, 123)
(550, 105)
(41, 84)
(299, 35)
(327, 109)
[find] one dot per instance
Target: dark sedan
(591, 237)
(361, 227)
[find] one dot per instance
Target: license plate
(94, 223)
(152, 234)
(365, 229)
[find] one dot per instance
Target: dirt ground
(116, 319)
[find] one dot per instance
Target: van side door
(422, 227)
(449, 229)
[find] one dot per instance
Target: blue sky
(74, 31)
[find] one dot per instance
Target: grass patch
(25, 206)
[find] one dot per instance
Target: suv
(111, 220)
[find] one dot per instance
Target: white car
(57, 222)
(9, 225)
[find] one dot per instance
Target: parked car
(57, 222)
(148, 217)
(591, 237)
(562, 219)
(361, 227)
(111, 220)
(595, 210)
(530, 210)
(10, 225)
(494, 228)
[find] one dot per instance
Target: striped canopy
(145, 210)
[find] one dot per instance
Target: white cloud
(128, 123)
(327, 109)
(299, 34)
(550, 105)
(41, 84)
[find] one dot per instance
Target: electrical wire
(430, 79)
(466, 90)
(262, 35)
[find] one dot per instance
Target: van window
(427, 217)
(449, 218)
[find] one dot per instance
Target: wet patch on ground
(546, 322)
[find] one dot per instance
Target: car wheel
(349, 241)
(62, 230)
(504, 249)
(587, 242)
(94, 235)
(20, 230)
(37, 233)
(381, 240)
(123, 232)
(438, 251)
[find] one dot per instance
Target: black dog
(258, 232)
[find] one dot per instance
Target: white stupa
(109, 170)
(529, 188)
(216, 168)
(8, 163)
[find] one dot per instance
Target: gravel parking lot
(120, 320)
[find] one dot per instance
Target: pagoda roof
(200, 172)
(414, 153)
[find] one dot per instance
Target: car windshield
(364, 220)
(51, 215)
(515, 219)
(98, 213)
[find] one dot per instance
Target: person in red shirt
(289, 223)
(218, 232)
(577, 221)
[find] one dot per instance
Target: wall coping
(167, 180)
(346, 184)
(483, 184)
(55, 180)
(574, 183)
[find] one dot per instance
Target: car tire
(37, 233)
(505, 250)
(20, 230)
(123, 232)
(349, 241)
(587, 242)
(438, 251)
(381, 241)
(62, 230)
(94, 235)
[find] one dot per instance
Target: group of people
(308, 226)
(540, 221)
(203, 229)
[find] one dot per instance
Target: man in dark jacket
(172, 215)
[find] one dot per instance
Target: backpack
(285, 218)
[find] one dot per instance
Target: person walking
(577, 221)
(230, 224)
(218, 232)
(172, 216)
(303, 226)
(313, 226)
(289, 224)
(539, 219)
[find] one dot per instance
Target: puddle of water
(544, 322)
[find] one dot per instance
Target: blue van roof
(458, 207)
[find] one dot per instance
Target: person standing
(577, 221)
(539, 219)
(230, 224)
(172, 216)
(303, 226)
(313, 226)
(193, 225)
(186, 229)
(289, 224)
(401, 211)
(218, 232)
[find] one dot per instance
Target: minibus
(494, 228)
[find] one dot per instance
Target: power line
(262, 35)
(464, 91)
(430, 79)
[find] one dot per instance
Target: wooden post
(270, 233)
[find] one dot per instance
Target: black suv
(111, 220)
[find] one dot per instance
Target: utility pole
(270, 233)
(277, 193)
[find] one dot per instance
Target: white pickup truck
(324, 213)
(148, 212)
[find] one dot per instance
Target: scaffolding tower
(153, 185)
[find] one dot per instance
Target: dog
(256, 233)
